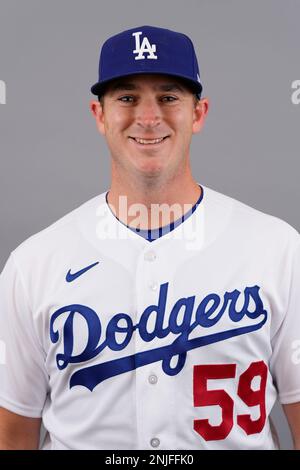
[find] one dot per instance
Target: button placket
(151, 403)
(146, 287)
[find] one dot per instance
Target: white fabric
(225, 248)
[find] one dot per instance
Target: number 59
(205, 397)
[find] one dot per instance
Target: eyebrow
(120, 86)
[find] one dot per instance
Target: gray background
(51, 157)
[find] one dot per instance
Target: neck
(152, 203)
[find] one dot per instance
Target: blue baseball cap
(148, 50)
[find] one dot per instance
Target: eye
(126, 99)
(168, 98)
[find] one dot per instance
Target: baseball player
(161, 314)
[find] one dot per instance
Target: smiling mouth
(149, 141)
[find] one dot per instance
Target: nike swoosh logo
(70, 277)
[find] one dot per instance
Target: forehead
(148, 81)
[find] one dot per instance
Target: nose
(148, 113)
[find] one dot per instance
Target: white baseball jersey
(180, 343)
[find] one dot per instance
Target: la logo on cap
(143, 48)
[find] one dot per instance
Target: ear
(200, 113)
(98, 113)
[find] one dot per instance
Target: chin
(152, 163)
(150, 169)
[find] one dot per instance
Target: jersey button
(152, 379)
(153, 286)
(155, 442)
(150, 256)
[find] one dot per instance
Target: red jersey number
(205, 397)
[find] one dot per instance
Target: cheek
(181, 120)
(116, 121)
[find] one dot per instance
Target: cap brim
(99, 87)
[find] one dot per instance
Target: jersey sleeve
(23, 377)
(285, 362)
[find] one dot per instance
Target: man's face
(148, 122)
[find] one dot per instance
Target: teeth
(148, 141)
